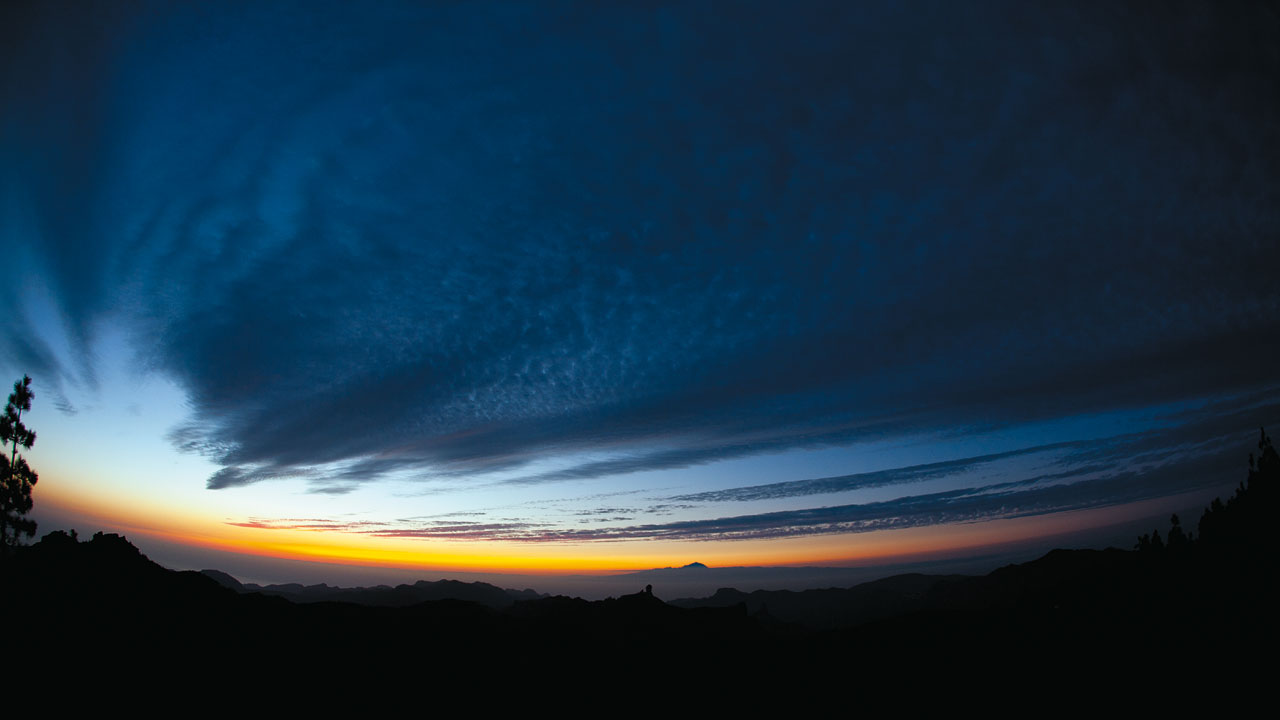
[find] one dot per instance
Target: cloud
(957, 506)
(1189, 433)
(866, 480)
(1125, 469)
(1080, 488)
(448, 244)
(435, 530)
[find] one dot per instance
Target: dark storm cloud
(450, 241)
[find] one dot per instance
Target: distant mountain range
(1190, 596)
(404, 595)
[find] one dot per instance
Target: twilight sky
(563, 286)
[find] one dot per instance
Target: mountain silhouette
(402, 595)
(1065, 608)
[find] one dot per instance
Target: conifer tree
(16, 476)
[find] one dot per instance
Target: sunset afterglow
(588, 289)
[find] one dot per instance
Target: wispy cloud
(865, 480)
(1131, 469)
(448, 245)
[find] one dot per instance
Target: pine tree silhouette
(16, 476)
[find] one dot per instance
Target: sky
(590, 287)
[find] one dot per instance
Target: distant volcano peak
(694, 566)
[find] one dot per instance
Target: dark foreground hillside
(1175, 601)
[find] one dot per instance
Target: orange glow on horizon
(602, 558)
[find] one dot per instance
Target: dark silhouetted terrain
(1205, 594)
(402, 595)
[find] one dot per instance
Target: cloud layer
(1200, 452)
(444, 242)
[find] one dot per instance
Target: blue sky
(697, 272)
